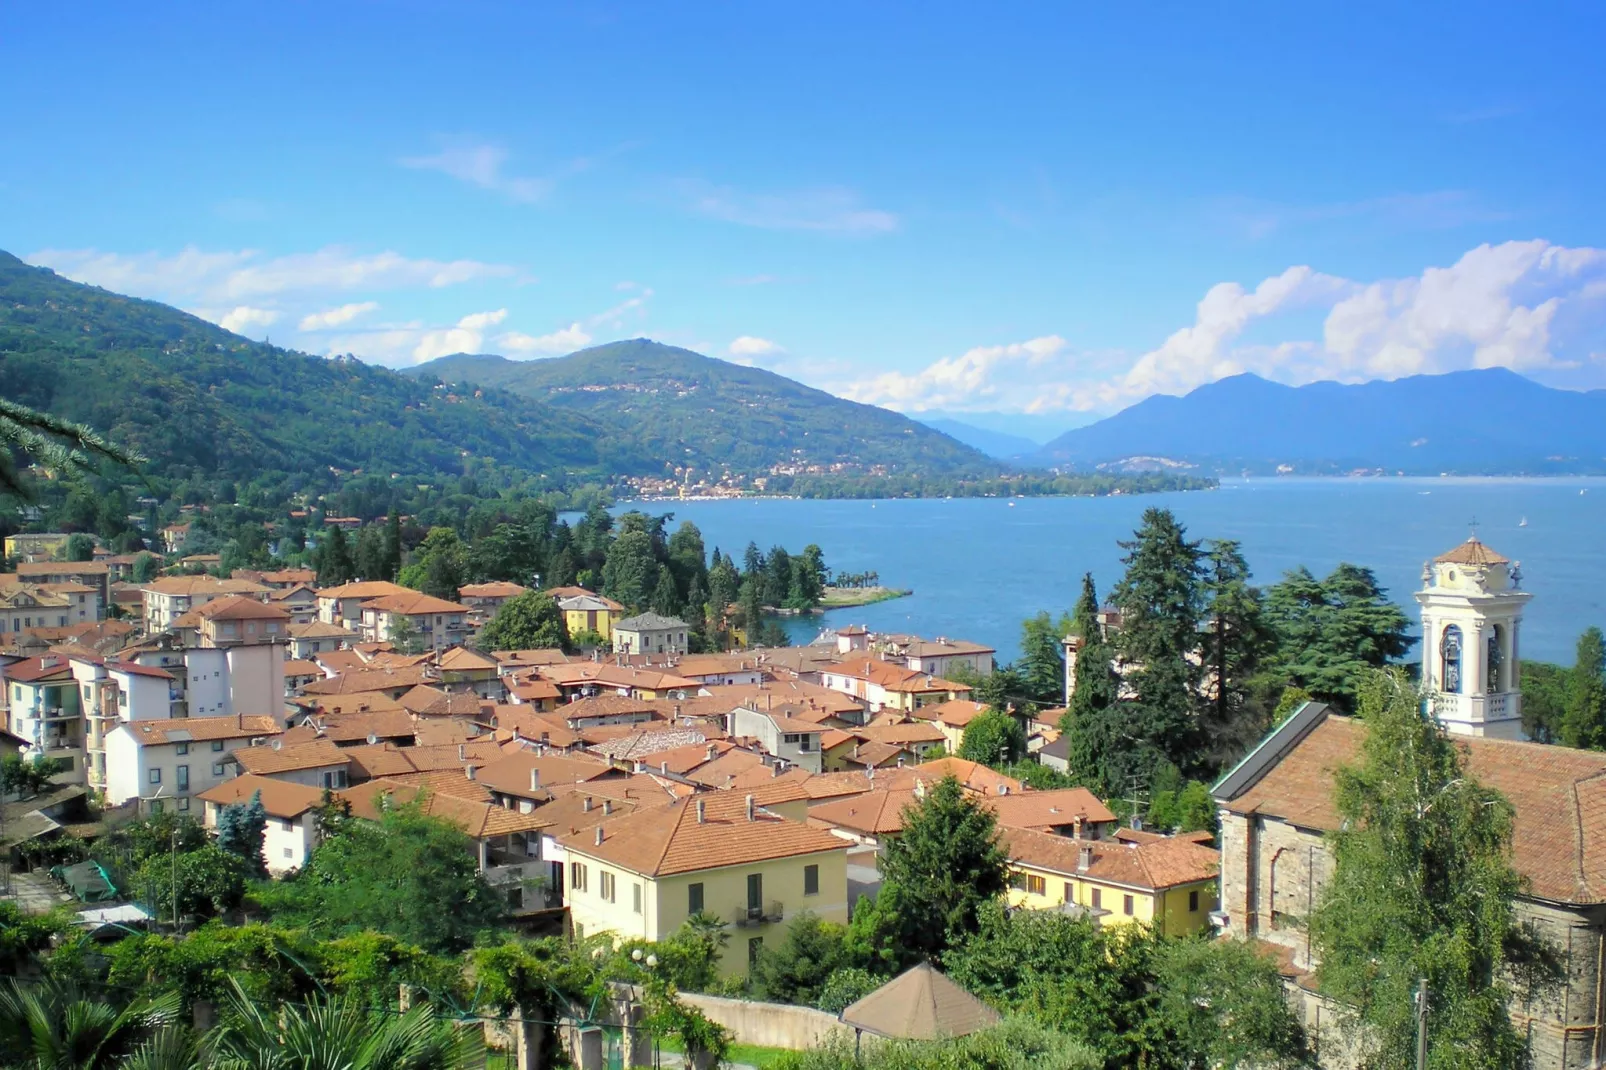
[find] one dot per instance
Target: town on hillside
(615, 788)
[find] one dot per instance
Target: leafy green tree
(78, 547)
(1222, 1003)
(993, 738)
(1330, 631)
(688, 559)
(146, 566)
(1544, 700)
(407, 874)
(24, 936)
(798, 969)
(1423, 887)
(27, 777)
(945, 864)
(368, 556)
(209, 881)
(1583, 718)
(530, 621)
(333, 556)
(242, 831)
(1011, 1045)
(442, 559)
(56, 1027)
(405, 636)
(631, 573)
(777, 577)
(393, 547)
(845, 987)
(665, 599)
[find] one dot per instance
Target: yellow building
(1168, 882)
(722, 853)
(585, 612)
(37, 546)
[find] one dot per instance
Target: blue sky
(1047, 211)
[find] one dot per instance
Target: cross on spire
(1473, 525)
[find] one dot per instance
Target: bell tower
(1472, 605)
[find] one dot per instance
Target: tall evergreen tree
(665, 599)
(1085, 614)
(242, 832)
(1583, 718)
(393, 546)
(777, 577)
(1161, 600)
(687, 558)
(1235, 640)
(1423, 887)
(1042, 661)
(335, 565)
(1330, 631)
(631, 572)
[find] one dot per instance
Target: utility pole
(1422, 1024)
(174, 855)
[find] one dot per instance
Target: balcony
(748, 915)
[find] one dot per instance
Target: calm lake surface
(980, 566)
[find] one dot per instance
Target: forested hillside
(712, 414)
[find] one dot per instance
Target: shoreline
(849, 597)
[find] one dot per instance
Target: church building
(1277, 806)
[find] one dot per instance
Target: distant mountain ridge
(996, 444)
(711, 414)
(1482, 422)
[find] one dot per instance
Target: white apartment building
(166, 763)
(292, 811)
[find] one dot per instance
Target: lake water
(980, 566)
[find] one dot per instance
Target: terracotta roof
(208, 585)
(511, 774)
(201, 729)
(873, 755)
(576, 673)
(427, 701)
(239, 607)
(361, 702)
(667, 840)
(805, 696)
(721, 771)
(413, 604)
(874, 813)
(494, 589)
(372, 761)
(319, 630)
(519, 658)
(369, 680)
(649, 744)
(358, 726)
(902, 734)
(605, 706)
(290, 758)
(536, 690)
(835, 738)
(462, 659)
(1048, 809)
(1472, 552)
(480, 820)
(1152, 866)
(825, 786)
(280, 798)
(445, 731)
(62, 568)
(1559, 836)
(132, 668)
(365, 589)
(973, 776)
(956, 713)
(533, 725)
(891, 676)
(299, 667)
(715, 664)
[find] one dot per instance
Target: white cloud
(337, 317)
(463, 338)
(480, 164)
(193, 276)
(982, 377)
(242, 318)
(749, 346)
(564, 340)
(1513, 305)
(830, 208)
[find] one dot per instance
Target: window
(577, 876)
(217, 768)
(755, 891)
(1193, 902)
(1450, 660)
(1017, 880)
(605, 885)
(184, 803)
(183, 778)
(754, 947)
(811, 880)
(1127, 905)
(217, 746)
(1098, 899)
(289, 853)
(635, 897)
(182, 749)
(694, 898)
(156, 776)
(289, 826)
(1036, 885)
(1070, 893)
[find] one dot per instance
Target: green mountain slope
(198, 400)
(710, 414)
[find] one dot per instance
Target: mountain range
(710, 414)
(199, 400)
(1484, 422)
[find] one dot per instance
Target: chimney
(586, 805)
(468, 771)
(900, 761)
(702, 813)
(607, 806)
(1084, 861)
(663, 768)
(535, 779)
(599, 832)
(775, 770)
(1077, 827)
(711, 753)
(749, 808)
(462, 752)
(677, 711)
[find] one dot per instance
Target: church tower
(1472, 604)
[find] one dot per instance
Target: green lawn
(750, 1054)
